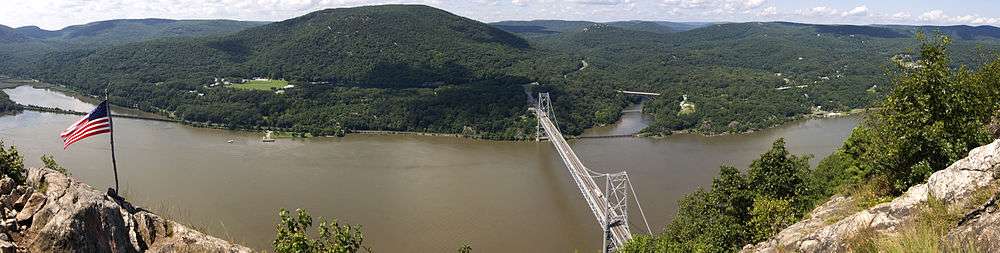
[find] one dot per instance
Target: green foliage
(12, 163)
(932, 118)
(50, 163)
(6, 105)
(465, 249)
(739, 209)
(333, 237)
(769, 216)
(389, 67)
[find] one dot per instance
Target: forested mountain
(9, 35)
(745, 76)
(135, 30)
(535, 28)
(391, 67)
(417, 68)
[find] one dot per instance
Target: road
(592, 192)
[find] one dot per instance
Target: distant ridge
(120, 31)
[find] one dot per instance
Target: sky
(56, 14)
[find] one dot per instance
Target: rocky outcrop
(56, 213)
(828, 230)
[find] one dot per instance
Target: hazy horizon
(58, 14)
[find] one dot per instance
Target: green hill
(391, 67)
(9, 35)
(134, 30)
(417, 68)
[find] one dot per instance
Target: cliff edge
(829, 229)
(52, 212)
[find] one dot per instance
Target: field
(265, 85)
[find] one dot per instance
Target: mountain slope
(134, 30)
(377, 45)
(392, 67)
(9, 35)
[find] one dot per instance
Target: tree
(12, 163)
(292, 235)
(777, 173)
(932, 118)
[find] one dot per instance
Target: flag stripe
(102, 131)
(72, 127)
(84, 123)
(96, 122)
(87, 130)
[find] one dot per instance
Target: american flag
(95, 123)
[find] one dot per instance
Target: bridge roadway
(639, 93)
(592, 192)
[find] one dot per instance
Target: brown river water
(410, 193)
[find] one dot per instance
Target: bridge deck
(639, 93)
(592, 192)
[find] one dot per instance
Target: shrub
(292, 235)
(50, 163)
(12, 163)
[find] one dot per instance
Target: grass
(264, 85)
(928, 230)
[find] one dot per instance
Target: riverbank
(285, 133)
(792, 120)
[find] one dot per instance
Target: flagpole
(111, 125)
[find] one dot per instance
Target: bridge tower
(616, 189)
(544, 109)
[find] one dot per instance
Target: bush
(769, 216)
(292, 235)
(12, 163)
(739, 209)
(50, 163)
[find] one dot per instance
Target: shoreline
(10, 83)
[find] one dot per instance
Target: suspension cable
(636, 197)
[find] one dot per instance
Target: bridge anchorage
(610, 204)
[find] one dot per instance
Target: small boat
(230, 141)
(267, 137)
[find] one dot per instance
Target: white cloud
(934, 15)
(769, 11)
(601, 2)
(857, 11)
(940, 17)
(820, 11)
(728, 6)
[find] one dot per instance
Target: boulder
(34, 203)
(72, 217)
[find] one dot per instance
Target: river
(410, 193)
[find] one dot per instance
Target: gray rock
(77, 218)
(34, 203)
(952, 185)
(22, 193)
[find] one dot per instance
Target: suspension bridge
(608, 204)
